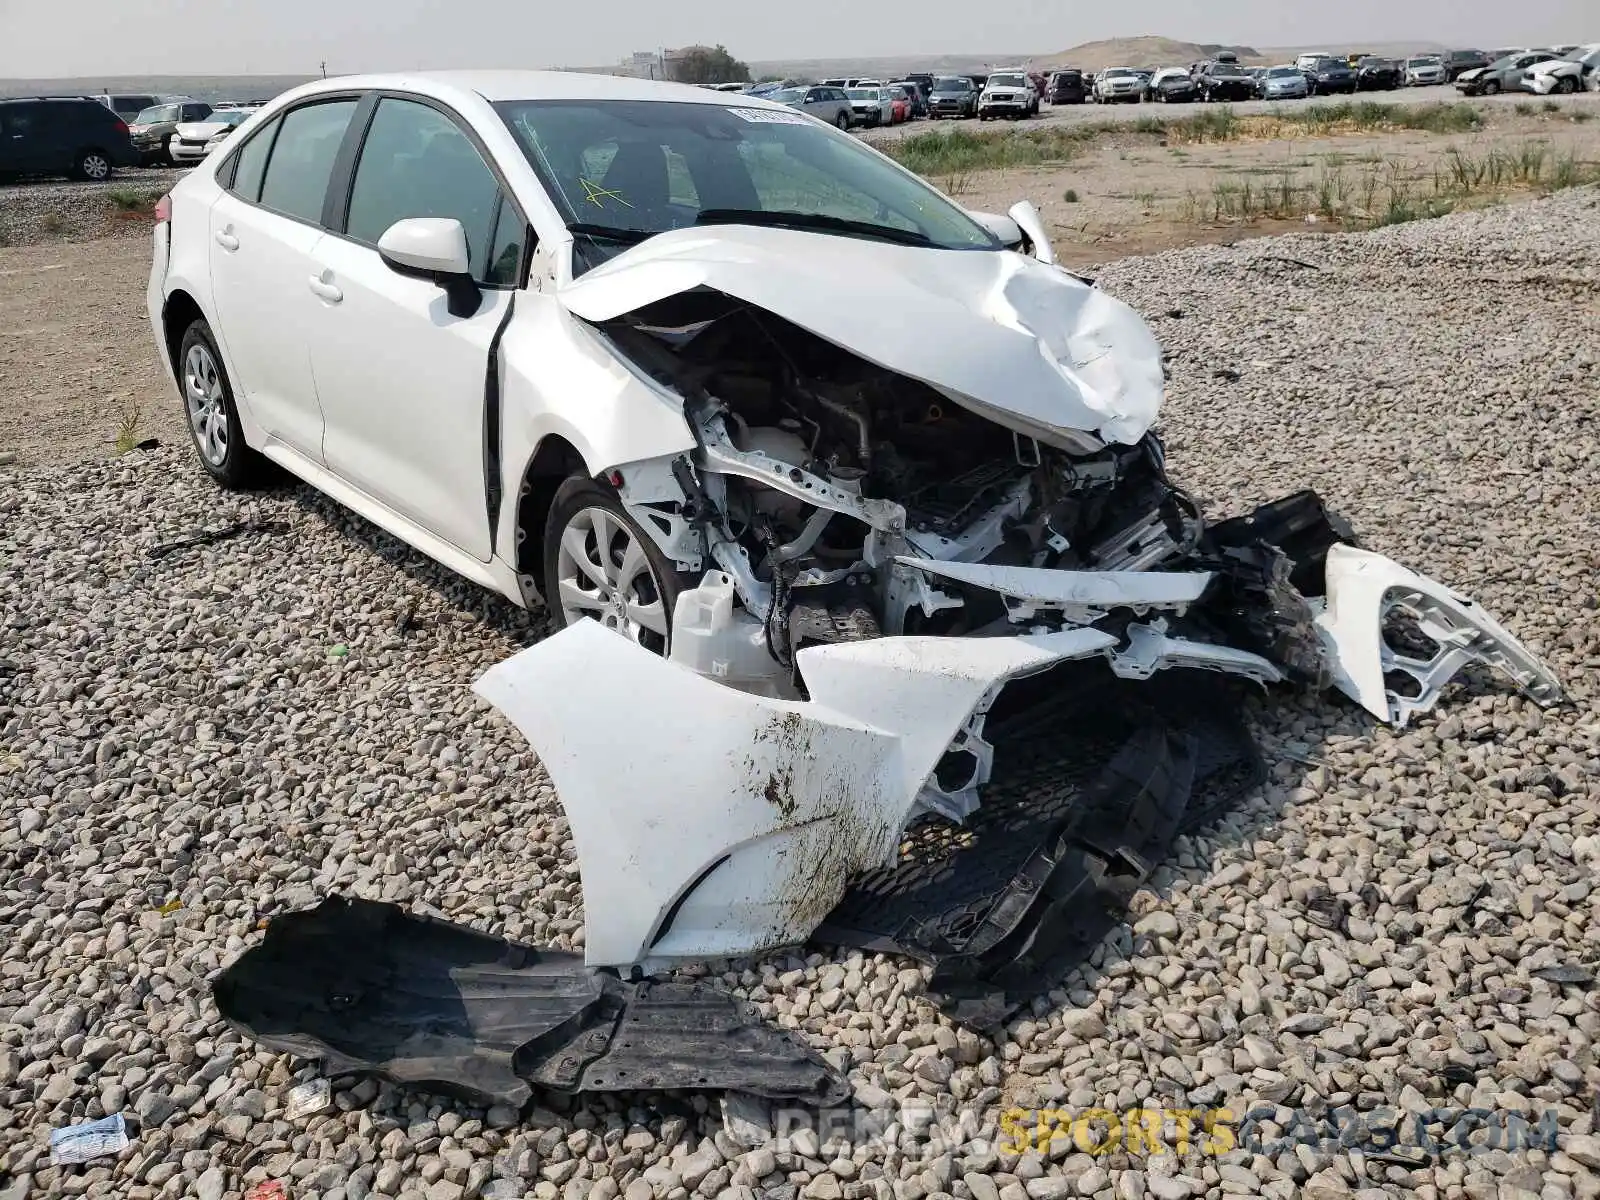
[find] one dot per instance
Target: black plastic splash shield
(1092, 783)
(371, 989)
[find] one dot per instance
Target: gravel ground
(54, 210)
(190, 744)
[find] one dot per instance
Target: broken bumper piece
(370, 989)
(713, 823)
(1443, 632)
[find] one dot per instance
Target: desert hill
(1144, 52)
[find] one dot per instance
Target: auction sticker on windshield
(767, 116)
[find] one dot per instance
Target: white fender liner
(710, 822)
(1363, 588)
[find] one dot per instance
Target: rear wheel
(843, 121)
(599, 564)
(93, 165)
(213, 417)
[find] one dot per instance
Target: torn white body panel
(1003, 334)
(735, 821)
(1081, 597)
(1365, 588)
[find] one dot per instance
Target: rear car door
(401, 378)
(264, 228)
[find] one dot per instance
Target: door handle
(325, 291)
(226, 240)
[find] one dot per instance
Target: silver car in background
(1424, 70)
(824, 102)
(872, 106)
(1118, 84)
(193, 140)
(1283, 83)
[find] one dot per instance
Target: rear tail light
(122, 126)
(164, 209)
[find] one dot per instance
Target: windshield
(1500, 64)
(158, 114)
(624, 170)
(1114, 72)
(788, 95)
(863, 93)
(952, 85)
(227, 117)
(1430, 60)
(1007, 81)
(1283, 73)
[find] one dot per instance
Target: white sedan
(193, 140)
(583, 339)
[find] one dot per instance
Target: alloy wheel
(206, 403)
(602, 572)
(96, 166)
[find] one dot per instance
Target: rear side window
(296, 181)
(416, 162)
(251, 162)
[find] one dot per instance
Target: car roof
(496, 86)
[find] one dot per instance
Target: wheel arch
(554, 460)
(179, 311)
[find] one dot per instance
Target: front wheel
(843, 121)
(1566, 85)
(1492, 88)
(213, 417)
(598, 563)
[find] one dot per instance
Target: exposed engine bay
(825, 474)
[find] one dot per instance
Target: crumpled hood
(1018, 341)
(1472, 74)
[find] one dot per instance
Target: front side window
(621, 171)
(504, 268)
(416, 162)
(296, 181)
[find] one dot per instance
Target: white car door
(264, 230)
(401, 377)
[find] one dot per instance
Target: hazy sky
(216, 37)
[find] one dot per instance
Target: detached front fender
(1363, 589)
(710, 822)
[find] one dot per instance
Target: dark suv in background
(62, 135)
(1458, 61)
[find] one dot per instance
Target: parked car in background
(1353, 59)
(1283, 83)
(871, 106)
(193, 140)
(979, 81)
(1375, 74)
(1171, 85)
(1424, 70)
(1007, 94)
(128, 105)
(157, 125)
(1457, 62)
(1220, 80)
(1577, 70)
(823, 101)
(1504, 74)
(952, 96)
(1329, 76)
(924, 82)
(849, 82)
(914, 98)
(1117, 85)
(1067, 87)
(899, 105)
(62, 135)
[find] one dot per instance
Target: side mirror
(1003, 228)
(1028, 220)
(433, 248)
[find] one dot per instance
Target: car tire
(1566, 85)
(843, 122)
(1491, 88)
(589, 533)
(211, 413)
(92, 165)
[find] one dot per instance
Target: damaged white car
(838, 459)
